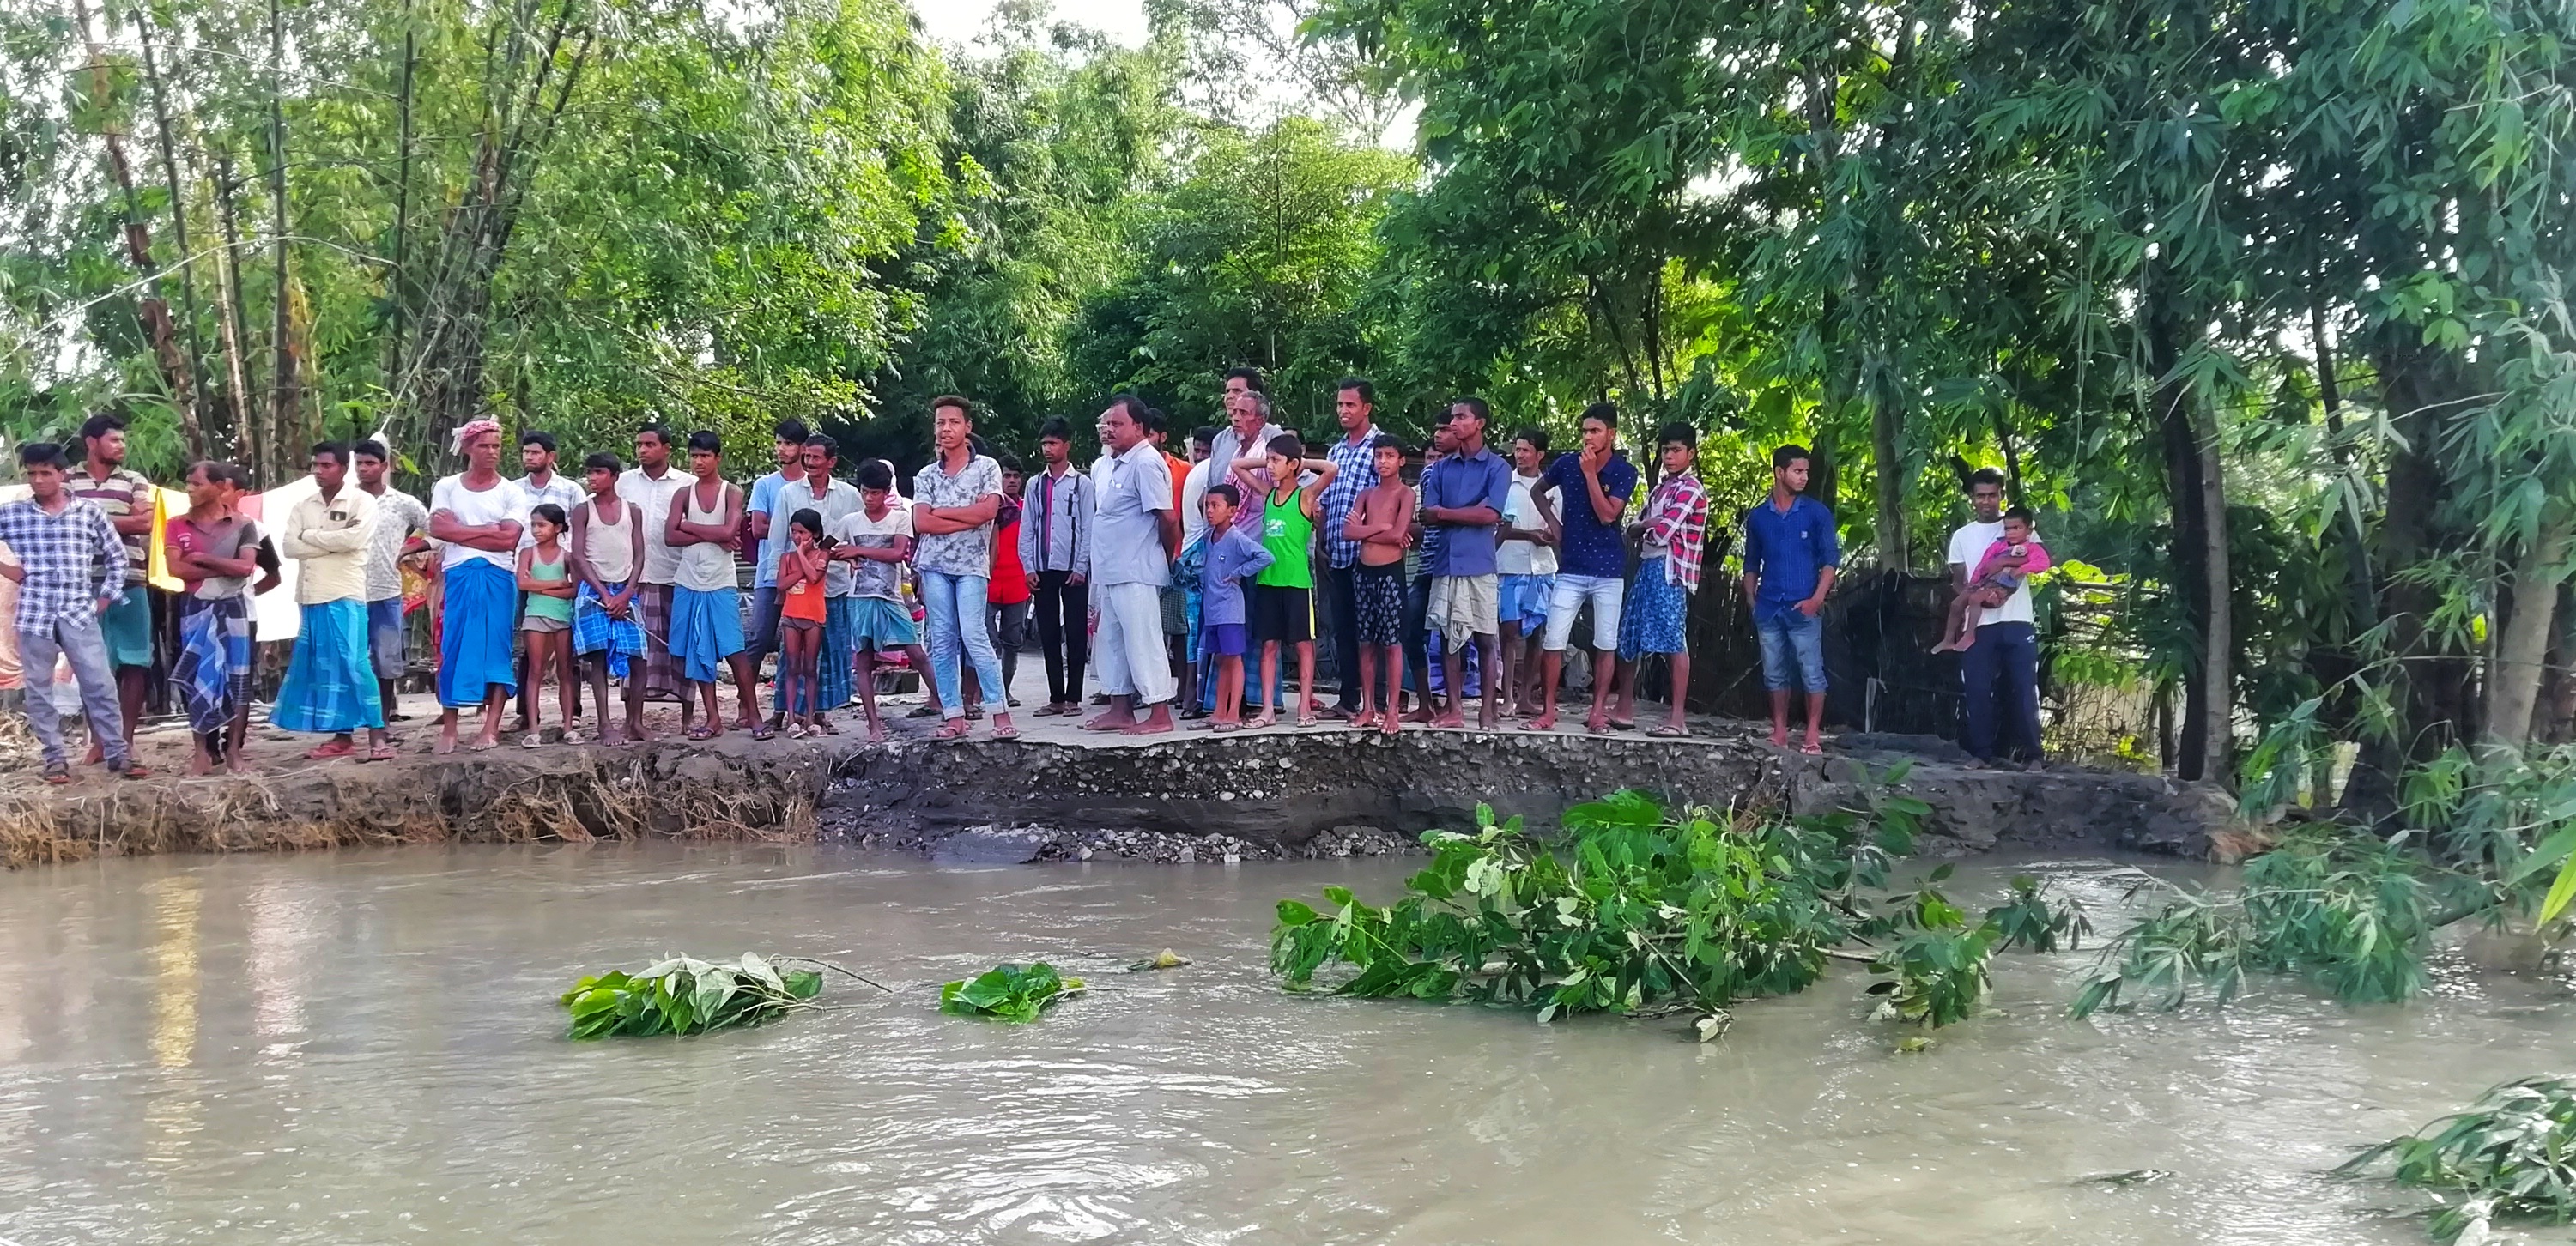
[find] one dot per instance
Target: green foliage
(2350, 914)
(687, 996)
(2511, 1156)
(1012, 993)
(1645, 911)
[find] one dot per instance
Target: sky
(957, 21)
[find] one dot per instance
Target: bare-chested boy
(1381, 520)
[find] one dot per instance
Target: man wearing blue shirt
(766, 524)
(1463, 497)
(1592, 489)
(1789, 557)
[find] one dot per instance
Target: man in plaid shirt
(70, 570)
(1355, 473)
(1672, 529)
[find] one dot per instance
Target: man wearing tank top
(704, 528)
(607, 550)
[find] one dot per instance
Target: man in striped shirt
(1355, 473)
(70, 573)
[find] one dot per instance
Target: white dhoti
(1128, 651)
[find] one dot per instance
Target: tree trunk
(151, 309)
(1886, 425)
(2522, 644)
(283, 406)
(190, 420)
(234, 317)
(2198, 500)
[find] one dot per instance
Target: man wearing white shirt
(649, 487)
(1136, 534)
(1999, 674)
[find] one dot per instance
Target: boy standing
(70, 573)
(607, 552)
(214, 552)
(1674, 523)
(398, 515)
(1230, 558)
(1593, 489)
(1380, 525)
(954, 500)
(1283, 604)
(1789, 556)
(706, 602)
(1526, 562)
(1055, 547)
(873, 542)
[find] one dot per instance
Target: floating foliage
(2351, 914)
(683, 995)
(1008, 993)
(2511, 1156)
(1644, 911)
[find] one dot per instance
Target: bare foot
(1485, 719)
(200, 765)
(1365, 720)
(1451, 719)
(1812, 747)
(446, 742)
(1114, 720)
(1389, 724)
(1598, 724)
(876, 733)
(1546, 721)
(1151, 726)
(1779, 737)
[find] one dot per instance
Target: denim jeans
(1792, 640)
(78, 639)
(945, 600)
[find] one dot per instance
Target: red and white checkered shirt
(1676, 518)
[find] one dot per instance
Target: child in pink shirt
(2007, 563)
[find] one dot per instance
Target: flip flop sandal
(380, 754)
(330, 752)
(58, 774)
(763, 732)
(700, 733)
(135, 770)
(1006, 733)
(1669, 732)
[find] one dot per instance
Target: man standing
(1247, 431)
(703, 528)
(1135, 535)
(69, 573)
(477, 514)
(816, 488)
(1593, 489)
(1355, 464)
(1525, 559)
(765, 522)
(1671, 530)
(1463, 496)
(2000, 673)
(1789, 556)
(649, 487)
(330, 684)
(954, 500)
(542, 484)
(1055, 545)
(398, 515)
(125, 497)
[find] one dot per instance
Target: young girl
(215, 552)
(2007, 564)
(800, 621)
(545, 575)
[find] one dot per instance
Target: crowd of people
(1186, 583)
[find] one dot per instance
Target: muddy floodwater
(365, 1048)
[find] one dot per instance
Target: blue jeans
(1791, 635)
(2000, 674)
(946, 601)
(78, 639)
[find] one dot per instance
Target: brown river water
(365, 1048)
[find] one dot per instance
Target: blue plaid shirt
(1355, 473)
(72, 561)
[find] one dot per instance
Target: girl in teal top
(545, 575)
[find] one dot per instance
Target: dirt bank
(1056, 793)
